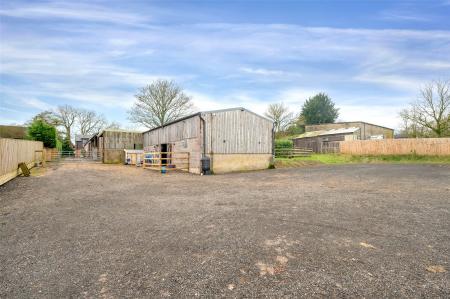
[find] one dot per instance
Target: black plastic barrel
(206, 165)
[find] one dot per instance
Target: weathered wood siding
(182, 130)
(228, 132)
(122, 140)
(238, 132)
(419, 146)
(15, 151)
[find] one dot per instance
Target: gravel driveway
(93, 230)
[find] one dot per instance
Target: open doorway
(165, 154)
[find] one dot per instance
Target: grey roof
(117, 130)
(80, 137)
(347, 122)
(328, 132)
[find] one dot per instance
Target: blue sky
(371, 57)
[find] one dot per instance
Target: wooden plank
(13, 152)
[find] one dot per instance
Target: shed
(366, 131)
(234, 139)
(109, 145)
(325, 140)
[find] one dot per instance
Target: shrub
(283, 143)
(67, 146)
(41, 131)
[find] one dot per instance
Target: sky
(370, 57)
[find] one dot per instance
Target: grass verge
(317, 159)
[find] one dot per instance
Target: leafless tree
(67, 116)
(431, 111)
(280, 115)
(159, 103)
(89, 122)
(113, 125)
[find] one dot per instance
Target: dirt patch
(94, 230)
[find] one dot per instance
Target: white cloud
(261, 71)
(37, 104)
(72, 11)
(247, 65)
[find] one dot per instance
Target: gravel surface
(93, 230)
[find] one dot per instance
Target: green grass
(347, 159)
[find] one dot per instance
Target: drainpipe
(204, 134)
(273, 142)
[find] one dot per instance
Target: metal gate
(74, 156)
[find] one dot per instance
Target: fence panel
(15, 151)
(419, 146)
(166, 160)
(283, 152)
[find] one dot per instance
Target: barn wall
(238, 132)
(185, 129)
(230, 136)
(316, 143)
(372, 130)
(122, 140)
(183, 136)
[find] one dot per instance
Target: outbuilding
(326, 141)
(109, 145)
(233, 139)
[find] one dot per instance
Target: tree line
(163, 101)
(58, 126)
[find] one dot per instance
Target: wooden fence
(15, 151)
(419, 146)
(166, 160)
(284, 152)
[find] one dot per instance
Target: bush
(39, 130)
(67, 146)
(284, 143)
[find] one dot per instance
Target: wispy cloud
(99, 56)
(71, 11)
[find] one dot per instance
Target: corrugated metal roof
(328, 132)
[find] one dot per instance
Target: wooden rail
(292, 152)
(166, 160)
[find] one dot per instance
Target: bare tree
(432, 110)
(67, 116)
(113, 125)
(159, 103)
(410, 128)
(280, 115)
(89, 122)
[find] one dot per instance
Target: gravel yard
(94, 230)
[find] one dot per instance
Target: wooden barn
(109, 145)
(326, 141)
(367, 131)
(233, 139)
